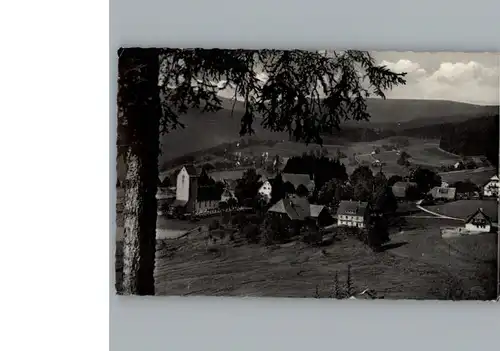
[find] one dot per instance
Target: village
(264, 218)
(263, 202)
(192, 192)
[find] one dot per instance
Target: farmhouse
(353, 214)
(192, 198)
(299, 210)
(442, 193)
(478, 222)
(491, 188)
(400, 189)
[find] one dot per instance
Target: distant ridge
(205, 130)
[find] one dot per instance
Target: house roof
(448, 192)
(495, 178)
(479, 212)
(191, 170)
(352, 208)
(298, 179)
(296, 209)
(316, 210)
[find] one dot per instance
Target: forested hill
(478, 136)
(473, 137)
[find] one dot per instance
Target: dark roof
(191, 170)
(316, 210)
(479, 212)
(296, 209)
(352, 208)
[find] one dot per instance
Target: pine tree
(157, 86)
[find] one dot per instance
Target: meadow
(418, 264)
(464, 208)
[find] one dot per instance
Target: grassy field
(478, 177)
(417, 267)
(464, 208)
(427, 155)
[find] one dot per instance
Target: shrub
(214, 224)
(252, 233)
(240, 220)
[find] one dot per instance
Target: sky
(465, 77)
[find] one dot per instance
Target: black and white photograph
(339, 174)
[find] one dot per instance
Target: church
(191, 197)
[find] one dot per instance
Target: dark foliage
(363, 183)
(403, 159)
(465, 187)
(248, 186)
(284, 101)
(302, 191)
(472, 138)
(277, 190)
(385, 201)
(210, 192)
(214, 224)
(251, 232)
(322, 168)
(394, 179)
(425, 179)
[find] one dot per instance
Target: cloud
(404, 66)
(469, 81)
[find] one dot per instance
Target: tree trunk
(140, 112)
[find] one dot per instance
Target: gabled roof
(352, 208)
(296, 209)
(316, 210)
(479, 212)
(191, 170)
(494, 178)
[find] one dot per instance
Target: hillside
(388, 117)
(207, 130)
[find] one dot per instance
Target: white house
(492, 187)
(265, 190)
(352, 214)
(478, 222)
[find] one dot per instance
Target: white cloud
(460, 81)
(404, 66)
